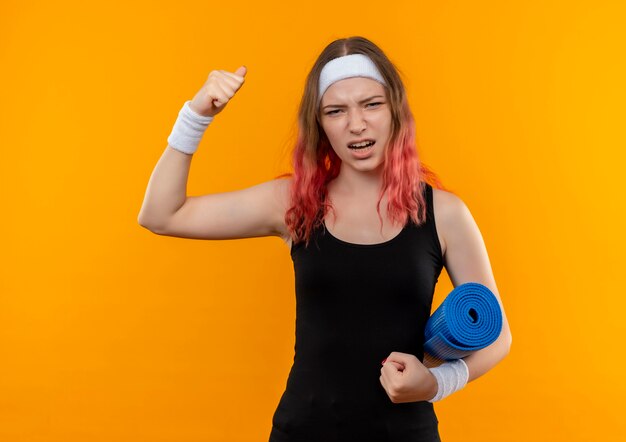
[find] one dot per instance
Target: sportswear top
(355, 304)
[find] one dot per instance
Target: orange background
(109, 332)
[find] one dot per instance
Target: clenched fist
(219, 88)
(406, 379)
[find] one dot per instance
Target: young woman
(368, 236)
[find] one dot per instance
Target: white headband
(347, 66)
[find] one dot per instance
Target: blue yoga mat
(467, 320)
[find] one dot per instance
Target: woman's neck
(358, 185)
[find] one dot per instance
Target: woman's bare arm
(167, 210)
(466, 260)
(167, 189)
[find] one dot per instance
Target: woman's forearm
(483, 360)
(479, 362)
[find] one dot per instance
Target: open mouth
(361, 146)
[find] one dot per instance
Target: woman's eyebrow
(360, 102)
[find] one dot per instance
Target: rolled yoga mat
(468, 319)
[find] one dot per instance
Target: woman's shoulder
(446, 204)
(445, 197)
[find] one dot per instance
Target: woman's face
(357, 109)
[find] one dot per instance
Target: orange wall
(111, 333)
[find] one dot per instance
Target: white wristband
(451, 376)
(188, 130)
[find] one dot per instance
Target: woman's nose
(357, 122)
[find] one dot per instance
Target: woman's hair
(315, 162)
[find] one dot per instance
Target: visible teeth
(363, 144)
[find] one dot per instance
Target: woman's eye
(337, 110)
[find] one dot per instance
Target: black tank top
(355, 304)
